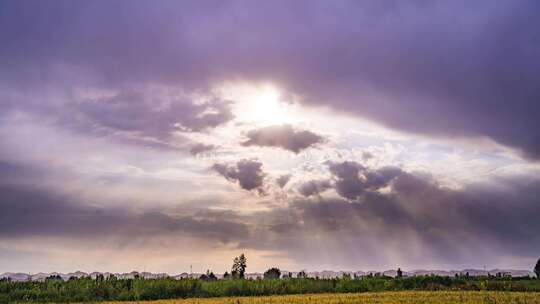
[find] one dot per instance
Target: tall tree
(239, 267)
(537, 269)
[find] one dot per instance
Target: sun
(267, 108)
(261, 105)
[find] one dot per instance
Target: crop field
(403, 297)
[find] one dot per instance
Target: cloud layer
(38, 213)
(430, 68)
(87, 87)
(415, 222)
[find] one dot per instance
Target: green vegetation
(113, 289)
(101, 288)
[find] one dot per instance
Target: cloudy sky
(344, 135)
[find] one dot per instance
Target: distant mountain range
(313, 274)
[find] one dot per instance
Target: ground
(406, 297)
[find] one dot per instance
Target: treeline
(87, 289)
(101, 289)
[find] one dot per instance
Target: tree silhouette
(54, 278)
(399, 273)
(209, 276)
(272, 273)
(302, 275)
(537, 269)
(239, 267)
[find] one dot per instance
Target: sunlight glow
(261, 105)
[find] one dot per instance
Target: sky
(341, 135)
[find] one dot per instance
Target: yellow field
(407, 297)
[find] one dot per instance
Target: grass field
(404, 297)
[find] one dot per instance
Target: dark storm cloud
(314, 187)
(284, 137)
(248, 173)
(33, 212)
(451, 68)
(352, 179)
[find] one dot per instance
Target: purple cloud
(248, 173)
(314, 187)
(456, 227)
(34, 212)
(441, 69)
(200, 148)
(284, 137)
(154, 116)
(283, 180)
(433, 68)
(352, 180)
